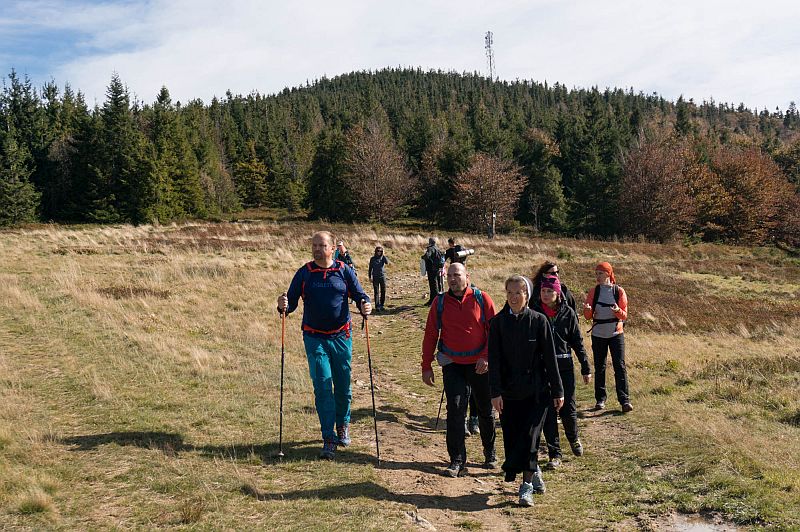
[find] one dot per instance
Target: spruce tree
(19, 200)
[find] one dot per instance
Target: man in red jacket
(456, 334)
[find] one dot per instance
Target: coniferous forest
(454, 149)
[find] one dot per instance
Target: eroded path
(414, 454)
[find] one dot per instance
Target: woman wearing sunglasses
(549, 268)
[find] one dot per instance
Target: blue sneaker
(343, 433)
(328, 450)
(526, 494)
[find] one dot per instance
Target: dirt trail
(413, 471)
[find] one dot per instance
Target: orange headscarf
(606, 267)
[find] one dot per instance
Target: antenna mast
(490, 55)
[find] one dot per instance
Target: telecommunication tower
(490, 55)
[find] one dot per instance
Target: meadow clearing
(139, 387)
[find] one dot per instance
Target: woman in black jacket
(567, 337)
(550, 269)
(524, 383)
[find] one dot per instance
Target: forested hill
(448, 147)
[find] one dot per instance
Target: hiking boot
(328, 450)
(553, 463)
(627, 407)
(472, 424)
(600, 405)
(455, 469)
(343, 433)
(538, 483)
(490, 460)
(577, 447)
(526, 494)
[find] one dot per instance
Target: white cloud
(731, 50)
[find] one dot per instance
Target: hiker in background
(566, 336)
(324, 286)
(457, 327)
(434, 262)
(524, 384)
(550, 268)
(607, 307)
(452, 252)
(377, 274)
(343, 255)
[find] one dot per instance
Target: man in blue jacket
(326, 286)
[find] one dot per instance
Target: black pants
(379, 284)
(600, 348)
(460, 380)
(568, 414)
(522, 422)
(435, 285)
(473, 409)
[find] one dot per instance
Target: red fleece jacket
(462, 329)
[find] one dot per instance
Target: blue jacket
(326, 293)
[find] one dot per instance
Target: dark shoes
(553, 463)
(627, 407)
(600, 405)
(472, 426)
(490, 460)
(455, 469)
(577, 447)
(328, 450)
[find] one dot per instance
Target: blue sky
(734, 51)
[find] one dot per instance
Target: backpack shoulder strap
(479, 298)
(616, 293)
(596, 296)
(439, 310)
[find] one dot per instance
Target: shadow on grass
(392, 311)
(171, 444)
(366, 413)
(418, 422)
(473, 502)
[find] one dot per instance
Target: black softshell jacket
(522, 357)
(566, 335)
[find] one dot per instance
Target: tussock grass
(139, 384)
(35, 501)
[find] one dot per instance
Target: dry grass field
(139, 387)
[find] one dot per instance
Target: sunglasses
(555, 272)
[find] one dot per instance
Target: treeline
(458, 150)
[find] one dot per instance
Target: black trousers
(522, 422)
(379, 284)
(600, 349)
(435, 284)
(460, 380)
(568, 414)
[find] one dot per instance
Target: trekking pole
(365, 324)
(439, 414)
(283, 357)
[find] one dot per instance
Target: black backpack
(597, 295)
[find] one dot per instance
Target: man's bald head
(457, 278)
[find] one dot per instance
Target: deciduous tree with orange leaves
(491, 185)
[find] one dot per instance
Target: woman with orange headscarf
(607, 307)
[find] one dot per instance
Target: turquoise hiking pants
(329, 367)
